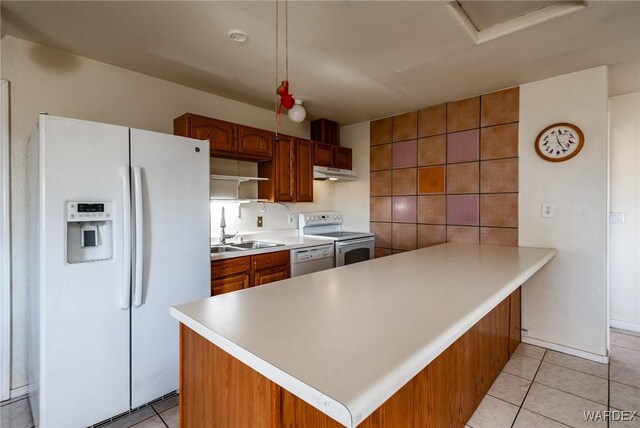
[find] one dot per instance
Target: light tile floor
(538, 388)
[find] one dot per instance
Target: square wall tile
(380, 209)
(463, 114)
(499, 210)
(404, 209)
(463, 178)
(405, 154)
(380, 131)
(431, 179)
(497, 142)
(429, 235)
(462, 210)
(380, 183)
(381, 157)
(383, 234)
(499, 236)
(404, 181)
(467, 234)
(404, 236)
(405, 126)
(501, 107)
(382, 252)
(499, 176)
(432, 121)
(432, 150)
(432, 209)
(463, 146)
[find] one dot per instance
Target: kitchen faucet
(223, 224)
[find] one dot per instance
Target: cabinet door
(229, 284)
(221, 135)
(255, 142)
(304, 171)
(262, 277)
(284, 170)
(323, 154)
(342, 158)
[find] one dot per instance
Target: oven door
(355, 250)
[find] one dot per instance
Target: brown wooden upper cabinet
(226, 140)
(332, 156)
(290, 172)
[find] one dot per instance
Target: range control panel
(89, 211)
(323, 218)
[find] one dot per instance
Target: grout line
(528, 389)
(13, 400)
(547, 417)
(158, 414)
(576, 370)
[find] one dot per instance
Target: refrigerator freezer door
(176, 268)
(83, 356)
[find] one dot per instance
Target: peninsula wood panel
(219, 391)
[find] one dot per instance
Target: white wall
(624, 239)
(352, 198)
(48, 80)
(566, 302)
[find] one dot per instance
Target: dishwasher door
(311, 259)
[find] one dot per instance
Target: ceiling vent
(489, 20)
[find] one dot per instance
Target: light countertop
(345, 340)
(289, 239)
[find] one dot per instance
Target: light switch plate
(616, 218)
(291, 218)
(548, 209)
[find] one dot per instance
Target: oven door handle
(342, 244)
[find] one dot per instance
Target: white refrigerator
(119, 232)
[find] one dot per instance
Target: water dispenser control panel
(89, 211)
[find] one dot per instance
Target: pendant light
(297, 113)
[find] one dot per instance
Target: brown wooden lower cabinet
(229, 284)
(266, 276)
(218, 390)
(236, 273)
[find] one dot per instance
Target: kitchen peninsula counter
(349, 341)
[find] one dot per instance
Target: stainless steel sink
(252, 245)
(243, 246)
(223, 249)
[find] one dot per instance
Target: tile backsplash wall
(447, 173)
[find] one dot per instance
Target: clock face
(559, 142)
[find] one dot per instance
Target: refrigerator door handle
(126, 227)
(139, 243)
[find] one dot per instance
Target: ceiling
(350, 60)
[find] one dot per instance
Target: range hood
(323, 173)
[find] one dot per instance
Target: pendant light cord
(277, 82)
(286, 40)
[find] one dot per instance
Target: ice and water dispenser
(89, 231)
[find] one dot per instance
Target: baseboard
(567, 350)
(18, 392)
(623, 325)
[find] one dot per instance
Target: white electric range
(350, 247)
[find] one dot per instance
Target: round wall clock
(559, 142)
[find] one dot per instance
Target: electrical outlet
(292, 218)
(548, 209)
(259, 221)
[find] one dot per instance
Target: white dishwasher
(311, 259)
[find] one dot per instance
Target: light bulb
(297, 113)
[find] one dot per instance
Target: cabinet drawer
(266, 276)
(229, 284)
(269, 260)
(226, 267)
